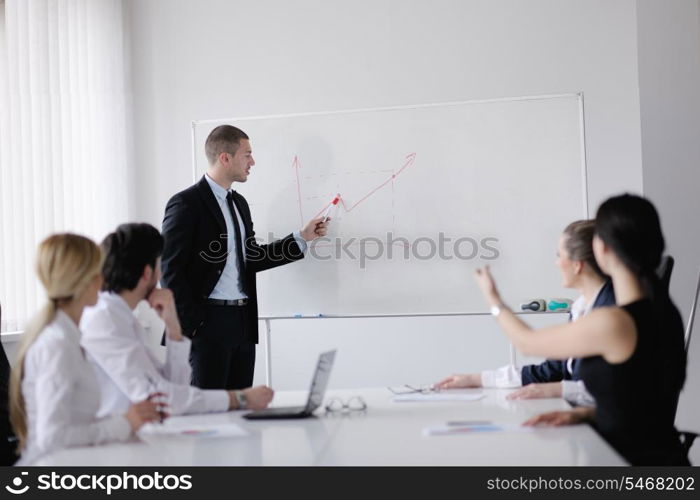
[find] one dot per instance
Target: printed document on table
(446, 430)
(196, 430)
(436, 396)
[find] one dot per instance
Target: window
(63, 135)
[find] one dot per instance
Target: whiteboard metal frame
(268, 328)
(584, 165)
(269, 319)
(691, 317)
(578, 95)
(392, 108)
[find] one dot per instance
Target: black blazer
(555, 370)
(194, 254)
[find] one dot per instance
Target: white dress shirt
(573, 391)
(62, 396)
(114, 340)
(229, 286)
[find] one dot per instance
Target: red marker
(330, 207)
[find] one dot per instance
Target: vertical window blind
(64, 148)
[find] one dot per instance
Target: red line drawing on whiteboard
(410, 159)
(296, 166)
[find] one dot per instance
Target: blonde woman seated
(54, 394)
(554, 378)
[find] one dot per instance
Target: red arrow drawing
(410, 159)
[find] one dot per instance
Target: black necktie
(239, 244)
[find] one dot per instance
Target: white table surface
(387, 433)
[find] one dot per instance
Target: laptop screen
(319, 382)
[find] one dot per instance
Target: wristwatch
(495, 311)
(242, 400)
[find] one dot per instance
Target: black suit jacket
(195, 253)
(555, 370)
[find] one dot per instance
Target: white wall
(669, 81)
(220, 58)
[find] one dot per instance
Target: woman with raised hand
(54, 394)
(554, 378)
(634, 356)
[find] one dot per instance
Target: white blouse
(62, 396)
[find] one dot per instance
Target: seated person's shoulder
(51, 345)
(102, 320)
(611, 315)
(616, 331)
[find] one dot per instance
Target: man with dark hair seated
(114, 339)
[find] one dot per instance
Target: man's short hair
(127, 251)
(223, 139)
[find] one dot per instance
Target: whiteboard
(428, 193)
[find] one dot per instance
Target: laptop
(319, 382)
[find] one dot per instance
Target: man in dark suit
(210, 260)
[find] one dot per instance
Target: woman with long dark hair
(634, 356)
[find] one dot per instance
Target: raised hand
(487, 285)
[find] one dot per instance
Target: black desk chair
(8, 441)
(687, 438)
(664, 273)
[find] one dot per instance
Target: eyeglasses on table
(355, 403)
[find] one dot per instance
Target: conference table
(386, 433)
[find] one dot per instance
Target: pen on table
(330, 207)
